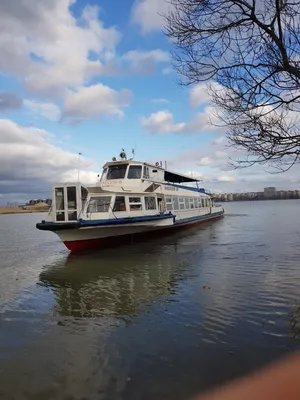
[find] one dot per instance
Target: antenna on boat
(78, 167)
(132, 157)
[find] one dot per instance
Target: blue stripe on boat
(198, 218)
(121, 221)
(56, 226)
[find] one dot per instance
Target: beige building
(269, 192)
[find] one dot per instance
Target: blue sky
(93, 77)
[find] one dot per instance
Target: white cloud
(93, 101)
(167, 71)
(221, 154)
(205, 161)
(226, 178)
(30, 163)
(148, 14)
(194, 175)
(199, 93)
(219, 140)
(145, 62)
(43, 43)
(163, 122)
(159, 101)
(213, 161)
(47, 110)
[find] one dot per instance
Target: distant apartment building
(230, 197)
(267, 194)
(270, 192)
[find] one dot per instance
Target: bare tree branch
(250, 51)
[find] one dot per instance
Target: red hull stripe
(114, 241)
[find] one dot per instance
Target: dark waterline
(163, 319)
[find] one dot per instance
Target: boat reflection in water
(163, 319)
(117, 282)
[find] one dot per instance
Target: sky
(93, 77)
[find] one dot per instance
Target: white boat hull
(98, 237)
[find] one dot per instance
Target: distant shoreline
(17, 210)
(243, 200)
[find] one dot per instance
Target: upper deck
(131, 174)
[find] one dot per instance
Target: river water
(159, 320)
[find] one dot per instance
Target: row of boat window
(119, 172)
(102, 204)
(186, 203)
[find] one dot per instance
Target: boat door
(161, 203)
(66, 204)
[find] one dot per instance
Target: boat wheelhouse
(130, 199)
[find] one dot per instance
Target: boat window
(60, 216)
(152, 187)
(72, 216)
(99, 204)
(135, 172)
(134, 200)
(135, 204)
(116, 171)
(181, 206)
(187, 203)
(59, 199)
(175, 203)
(192, 205)
(103, 176)
(203, 203)
(169, 203)
(146, 172)
(181, 200)
(71, 196)
(169, 206)
(84, 194)
(150, 203)
(119, 204)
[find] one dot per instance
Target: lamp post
(79, 154)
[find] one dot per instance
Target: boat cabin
(74, 201)
(68, 202)
(129, 173)
(126, 188)
(132, 173)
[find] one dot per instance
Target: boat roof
(174, 177)
(169, 176)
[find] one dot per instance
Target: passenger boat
(131, 200)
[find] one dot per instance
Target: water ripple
(109, 324)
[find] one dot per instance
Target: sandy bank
(17, 210)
